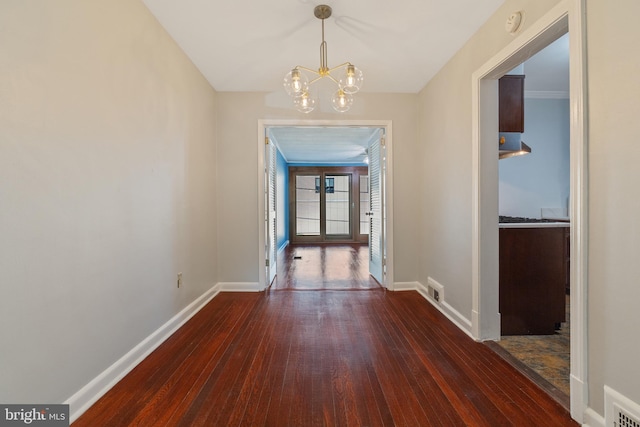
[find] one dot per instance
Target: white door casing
(387, 226)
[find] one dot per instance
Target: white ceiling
(548, 70)
(305, 144)
(249, 45)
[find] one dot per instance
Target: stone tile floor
(548, 355)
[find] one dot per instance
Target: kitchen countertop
(533, 224)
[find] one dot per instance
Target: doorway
(328, 204)
(534, 220)
(383, 221)
(485, 312)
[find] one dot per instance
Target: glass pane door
(337, 205)
(308, 205)
(325, 205)
(364, 205)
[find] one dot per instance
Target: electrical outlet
(179, 279)
(436, 295)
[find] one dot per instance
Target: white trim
(475, 322)
(96, 388)
(546, 94)
(240, 287)
(566, 14)
(405, 286)
(579, 209)
(616, 402)
(579, 391)
(451, 313)
(593, 419)
(263, 124)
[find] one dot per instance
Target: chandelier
(346, 76)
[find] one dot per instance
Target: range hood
(511, 144)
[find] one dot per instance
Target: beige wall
(614, 100)
(107, 189)
(445, 145)
(239, 214)
(614, 198)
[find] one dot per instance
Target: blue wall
(538, 180)
(282, 198)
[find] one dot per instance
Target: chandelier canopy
(346, 76)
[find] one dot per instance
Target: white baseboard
(240, 287)
(475, 325)
(405, 286)
(593, 419)
(96, 388)
(578, 400)
(451, 313)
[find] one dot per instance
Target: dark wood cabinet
(532, 279)
(511, 103)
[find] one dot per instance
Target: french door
(325, 204)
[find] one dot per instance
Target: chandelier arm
(315, 80)
(332, 78)
(308, 69)
(346, 64)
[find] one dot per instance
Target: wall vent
(436, 291)
(620, 411)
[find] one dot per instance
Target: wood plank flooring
(323, 358)
(305, 267)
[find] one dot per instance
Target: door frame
(264, 124)
(568, 15)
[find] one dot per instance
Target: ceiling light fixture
(349, 81)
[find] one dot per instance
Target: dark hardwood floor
(330, 357)
(336, 267)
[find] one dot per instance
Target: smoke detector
(514, 21)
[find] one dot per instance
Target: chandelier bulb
(352, 79)
(341, 101)
(295, 82)
(304, 103)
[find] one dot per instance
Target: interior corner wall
(238, 116)
(107, 189)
